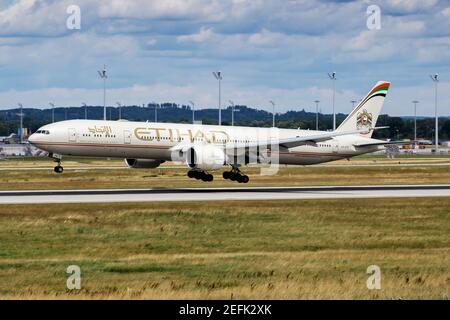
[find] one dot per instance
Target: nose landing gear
(200, 175)
(57, 158)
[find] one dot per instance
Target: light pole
(120, 110)
(21, 122)
(193, 110)
(317, 114)
(218, 76)
(273, 113)
(103, 76)
(53, 111)
(415, 121)
(232, 112)
(85, 110)
(333, 78)
(156, 111)
(435, 79)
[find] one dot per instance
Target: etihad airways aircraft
(205, 148)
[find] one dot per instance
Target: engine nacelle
(205, 157)
(143, 163)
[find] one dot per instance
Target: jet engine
(143, 163)
(205, 157)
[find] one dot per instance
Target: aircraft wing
(283, 143)
(294, 141)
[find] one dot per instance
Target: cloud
(34, 18)
(407, 6)
(168, 9)
(203, 35)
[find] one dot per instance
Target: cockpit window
(43, 131)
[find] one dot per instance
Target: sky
(278, 50)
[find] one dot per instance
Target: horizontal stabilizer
(377, 143)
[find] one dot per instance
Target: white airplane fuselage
(150, 140)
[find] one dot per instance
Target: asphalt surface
(213, 194)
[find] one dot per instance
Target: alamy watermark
(73, 21)
(374, 279)
(211, 149)
(373, 21)
(74, 280)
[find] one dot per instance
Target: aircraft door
(72, 135)
(335, 147)
(127, 136)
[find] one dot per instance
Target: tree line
(399, 127)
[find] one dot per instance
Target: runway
(214, 194)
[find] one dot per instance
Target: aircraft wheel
(234, 176)
(245, 179)
(191, 174)
(226, 175)
(240, 179)
(58, 169)
(209, 177)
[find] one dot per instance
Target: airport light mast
(435, 79)
(218, 76)
(415, 121)
(193, 110)
(120, 110)
(21, 122)
(317, 114)
(156, 111)
(333, 78)
(53, 111)
(232, 112)
(103, 76)
(273, 113)
(85, 110)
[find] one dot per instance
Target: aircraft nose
(32, 138)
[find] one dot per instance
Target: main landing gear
(200, 175)
(235, 175)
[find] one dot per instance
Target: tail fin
(366, 113)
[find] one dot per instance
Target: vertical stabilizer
(365, 114)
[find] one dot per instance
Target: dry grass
(248, 250)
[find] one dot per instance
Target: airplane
(206, 148)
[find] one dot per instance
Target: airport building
(23, 150)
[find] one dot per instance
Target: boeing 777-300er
(205, 148)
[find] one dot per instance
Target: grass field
(247, 250)
(85, 173)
